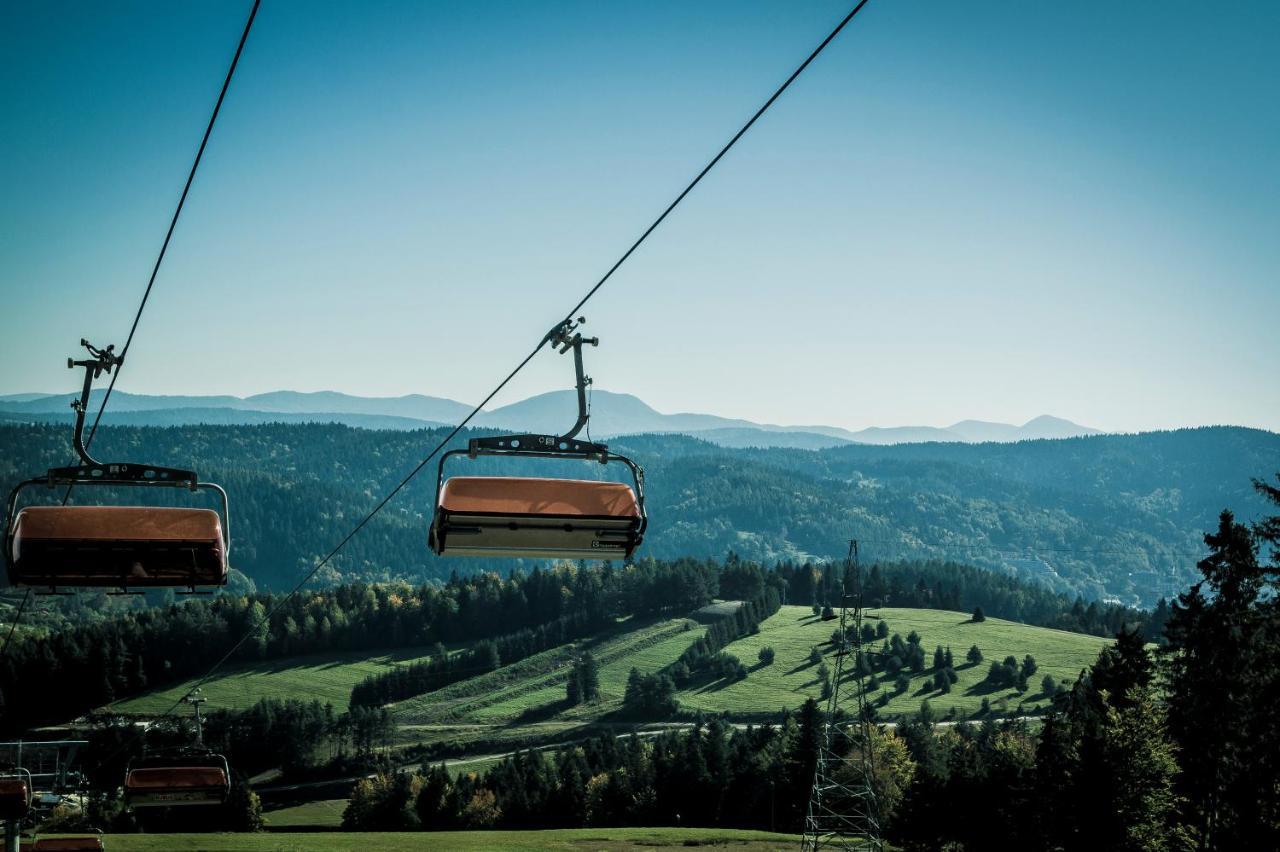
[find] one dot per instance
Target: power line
(13, 627)
(173, 223)
(524, 362)
(155, 270)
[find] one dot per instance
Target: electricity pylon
(842, 807)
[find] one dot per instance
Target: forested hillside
(1102, 516)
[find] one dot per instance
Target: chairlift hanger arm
(92, 470)
(565, 337)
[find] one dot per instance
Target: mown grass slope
(327, 677)
(793, 631)
(516, 841)
(322, 813)
(534, 689)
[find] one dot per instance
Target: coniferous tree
(1221, 654)
(573, 687)
(589, 677)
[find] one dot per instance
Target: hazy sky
(962, 210)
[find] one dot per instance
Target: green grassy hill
(533, 691)
(516, 841)
(794, 630)
(528, 696)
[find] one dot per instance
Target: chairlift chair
(124, 547)
(538, 517)
(15, 794)
(185, 779)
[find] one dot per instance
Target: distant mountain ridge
(553, 412)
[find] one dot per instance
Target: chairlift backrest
(90, 843)
(15, 795)
(547, 518)
(178, 781)
(117, 546)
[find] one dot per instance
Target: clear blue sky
(982, 209)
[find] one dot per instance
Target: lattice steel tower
(842, 807)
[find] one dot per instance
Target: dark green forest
(1107, 516)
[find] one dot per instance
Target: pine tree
(573, 687)
(1221, 650)
(589, 676)
(1139, 758)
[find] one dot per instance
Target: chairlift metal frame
(568, 446)
(93, 472)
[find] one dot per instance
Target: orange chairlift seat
(115, 546)
(15, 794)
(192, 779)
(90, 843)
(536, 517)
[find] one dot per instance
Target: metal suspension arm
(103, 361)
(560, 336)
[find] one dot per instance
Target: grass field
(533, 689)
(584, 839)
(324, 813)
(647, 650)
(327, 677)
(520, 699)
(794, 630)
(510, 696)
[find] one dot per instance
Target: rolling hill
(1117, 516)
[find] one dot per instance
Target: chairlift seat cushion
(537, 518)
(117, 546)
